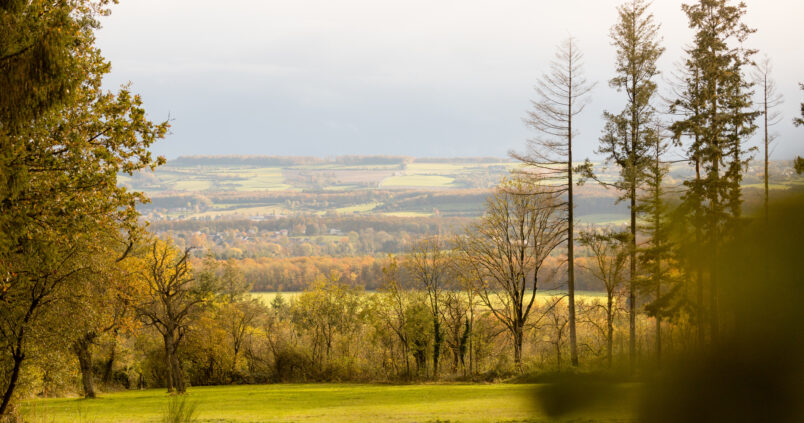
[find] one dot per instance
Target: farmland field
(319, 403)
(418, 181)
(221, 187)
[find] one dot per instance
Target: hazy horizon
(414, 78)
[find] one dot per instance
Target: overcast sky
(412, 77)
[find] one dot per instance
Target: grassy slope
(312, 402)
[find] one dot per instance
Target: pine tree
(717, 98)
(563, 95)
(626, 136)
(656, 256)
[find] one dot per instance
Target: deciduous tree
(429, 264)
(507, 249)
(610, 252)
(169, 302)
(64, 141)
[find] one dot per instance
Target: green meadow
(320, 403)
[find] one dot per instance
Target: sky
(420, 78)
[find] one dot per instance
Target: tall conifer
(720, 117)
(627, 134)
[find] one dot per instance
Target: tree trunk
(436, 345)
(698, 267)
(632, 288)
(570, 228)
(518, 335)
(558, 355)
(178, 375)
(81, 349)
(233, 371)
(175, 380)
(405, 352)
(12, 381)
(109, 365)
(658, 325)
(609, 328)
(471, 342)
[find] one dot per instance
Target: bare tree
(508, 248)
(798, 162)
(771, 99)
(562, 95)
(610, 253)
(556, 321)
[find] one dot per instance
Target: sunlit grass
(310, 403)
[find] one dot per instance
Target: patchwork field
(320, 403)
(259, 187)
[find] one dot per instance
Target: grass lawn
(314, 403)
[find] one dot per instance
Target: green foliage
(626, 138)
(64, 141)
(329, 313)
(40, 55)
(718, 118)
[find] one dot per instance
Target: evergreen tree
(717, 100)
(655, 257)
(627, 134)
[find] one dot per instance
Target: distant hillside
(263, 187)
(349, 160)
